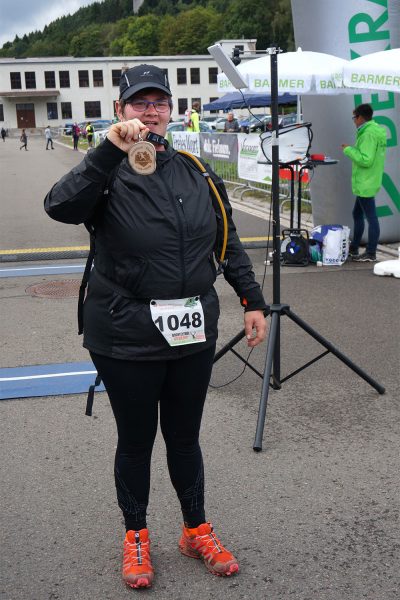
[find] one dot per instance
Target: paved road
(312, 517)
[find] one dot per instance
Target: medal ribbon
(157, 139)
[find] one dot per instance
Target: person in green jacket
(368, 158)
(193, 125)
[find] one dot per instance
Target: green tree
(250, 19)
(87, 42)
(182, 27)
(191, 32)
(282, 26)
(141, 37)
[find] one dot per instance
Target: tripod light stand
(272, 371)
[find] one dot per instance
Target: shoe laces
(136, 553)
(208, 543)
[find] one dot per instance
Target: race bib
(180, 321)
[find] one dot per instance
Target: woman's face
(156, 121)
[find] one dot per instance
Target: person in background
(192, 118)
(368, 162)
(231, 124)
(89, 134)
(49, 138)
(156, 236)
(75, 135)
(3, 134)
(24, 140)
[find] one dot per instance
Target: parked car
(250, 120)
(68, 128)
(97, 124)
(180, 126)
(101, 124)
(220, 124)
(286, 120)
(211, 120)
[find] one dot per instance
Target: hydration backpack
(188, 118)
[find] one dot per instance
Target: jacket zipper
(182, 254)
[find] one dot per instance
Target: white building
(36, 92)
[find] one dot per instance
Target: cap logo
(145, 73)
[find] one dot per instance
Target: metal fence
(241, 187)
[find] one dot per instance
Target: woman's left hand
(255, 320)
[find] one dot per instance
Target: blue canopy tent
(237, 100)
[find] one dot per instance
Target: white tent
(376, 71)
(299, 73)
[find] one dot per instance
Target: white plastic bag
(335, 247)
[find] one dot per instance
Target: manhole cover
(67, 288)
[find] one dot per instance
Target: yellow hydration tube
(216, 195)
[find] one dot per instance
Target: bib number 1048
(180, 321)
(173, 322)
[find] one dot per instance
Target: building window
(92, 110)
(182, 105)
(116, 76)
(83, 77)
(52, 111)
(212, 74)
(49, 79)
(15, 79)
(181, 76)
(194, 75)
(64, 79)
(30, 80)
(241, 47)
(98, 78)
(66, 110)
(1, 113)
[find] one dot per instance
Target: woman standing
(75, 135)
(151, 311)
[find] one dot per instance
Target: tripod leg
(257, 447)
(276, 370)
(379, 388)
(229, 345)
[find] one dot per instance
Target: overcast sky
(18, 17)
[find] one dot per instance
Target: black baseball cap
(142, 77)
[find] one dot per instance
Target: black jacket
(155, 237)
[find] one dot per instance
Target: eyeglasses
(161, 106)
(354, 117)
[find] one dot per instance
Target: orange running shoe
(201, 542)
(137, 571)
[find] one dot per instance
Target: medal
(142, 157)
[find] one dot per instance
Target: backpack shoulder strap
(91, 227)
(217, 201)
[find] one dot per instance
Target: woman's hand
(255, 320)
(126, 133)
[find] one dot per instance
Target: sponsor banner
(251, 161)
(375, 80)
(182, 140)
(349, 29)
(291, 85)
(222, 146)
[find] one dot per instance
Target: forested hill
(169, 27)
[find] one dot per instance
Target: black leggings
(134, 389)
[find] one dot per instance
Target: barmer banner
(348, 29)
